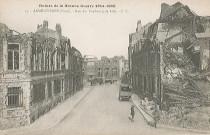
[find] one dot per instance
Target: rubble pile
(185, 93)
(197, 118)
(170, 65)
(149, 106)
(186, 89)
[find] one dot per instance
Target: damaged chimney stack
(58, 29)
(45, 24)
(164, 6)
(139, 26)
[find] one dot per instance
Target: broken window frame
(100, 72)
(62, 57)
(57, 87)
(38, 92)
(49, 89)
(47, 60)
(114, 72)
(14, 97)
(106, 72)
(13, 63)
(145, 84)
(58, 61)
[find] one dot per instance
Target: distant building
(111, 68)
(37, 71)
(89, 66)
(105, 68)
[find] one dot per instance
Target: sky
(92, 33)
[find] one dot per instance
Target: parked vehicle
(95, 81)
(114, 81)
(100, 81)
(124, 91)
(108, 81)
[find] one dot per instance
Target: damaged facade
(37, 71)
(169, 60)
(105, 68)
(111, 68)
(89, 67)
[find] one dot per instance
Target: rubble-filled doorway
(196, 59)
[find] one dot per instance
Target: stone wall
(15, 116)
(19, 116)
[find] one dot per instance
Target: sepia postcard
(104, 67)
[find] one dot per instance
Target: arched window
(106, 71)
(100, 72)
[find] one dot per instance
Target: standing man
(156, 116)
(132, 113)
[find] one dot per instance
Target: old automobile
(125, 92)
(108, 81)
(95, 81)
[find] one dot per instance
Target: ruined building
(169, 59)
(37, 71)
(105, 68)
(141, 63)
(111, 68)
(89, 67)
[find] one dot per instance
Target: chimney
(11, 32)
(38, 26)
(45, 24)
(69, 43)
(139, 26)
(58, 29)
(164, 6)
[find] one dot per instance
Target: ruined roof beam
(171, 37)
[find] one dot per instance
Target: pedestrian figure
(132, 113)
(156, 116)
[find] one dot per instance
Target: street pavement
(101, 113)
